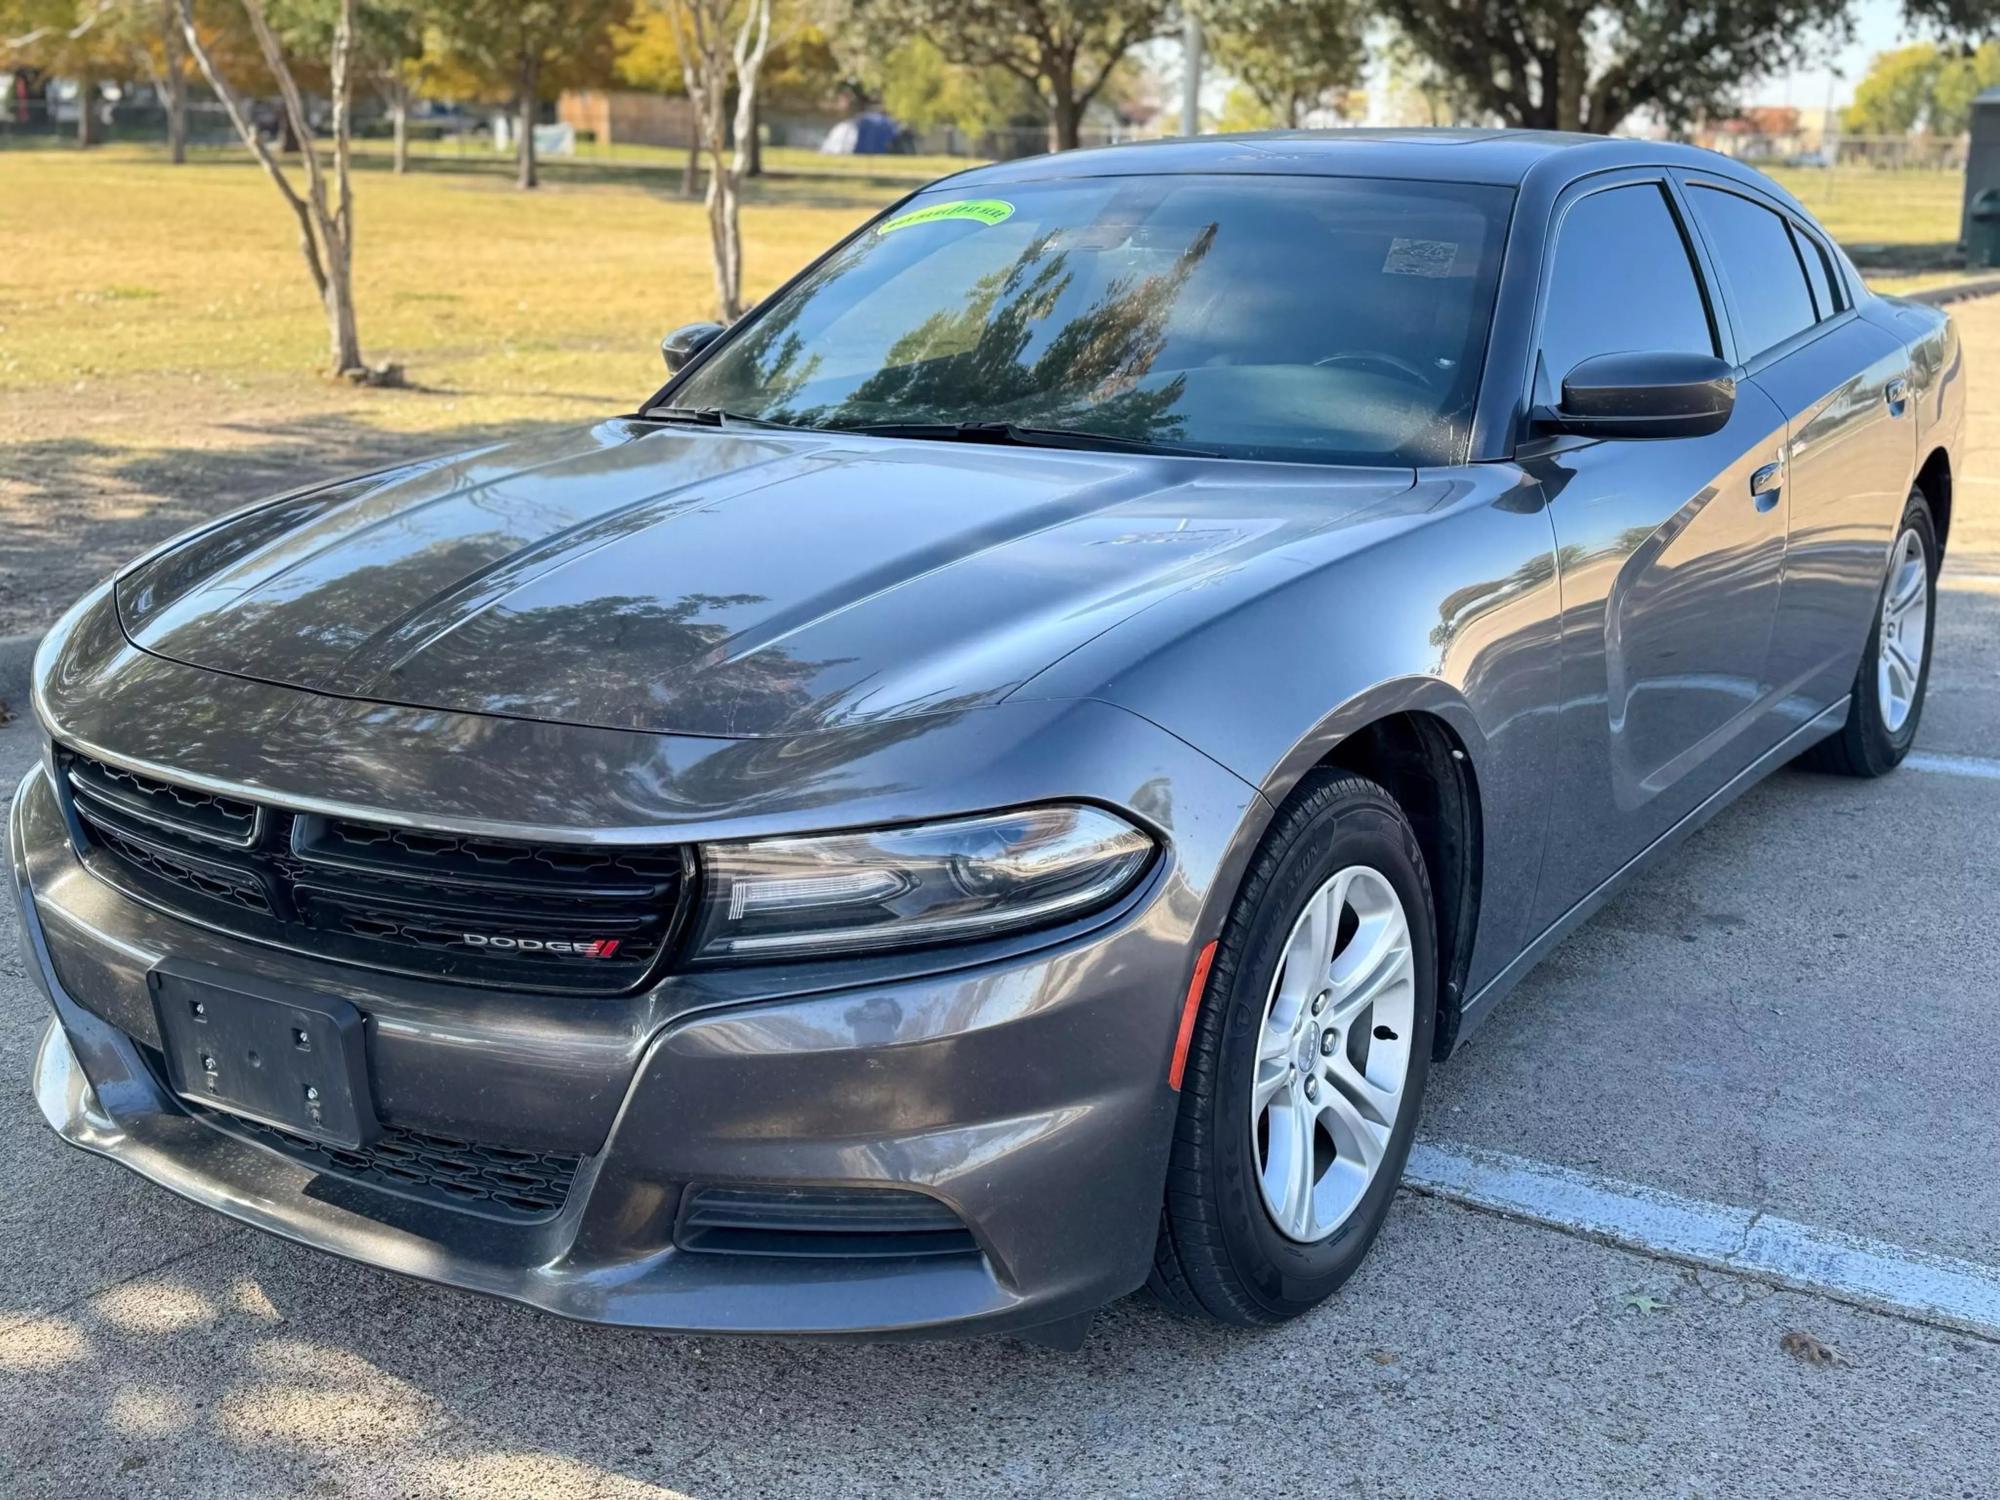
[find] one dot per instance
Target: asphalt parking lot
(1708, 1209)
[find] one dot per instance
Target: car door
(1670, 552)
(1850, 452)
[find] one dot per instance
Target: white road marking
(1866, 1273)
(1976, 766)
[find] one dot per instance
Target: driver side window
(1623, 282)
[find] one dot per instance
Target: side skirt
(1496, 989)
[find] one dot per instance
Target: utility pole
(1190, 71)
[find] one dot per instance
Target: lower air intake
(497, 1182)
(849, 1223)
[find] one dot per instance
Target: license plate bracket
(283, 1056)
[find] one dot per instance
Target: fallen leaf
(1382, 1356)
(1808, 1350)
(1644, 1302)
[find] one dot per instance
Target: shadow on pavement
(74, 508)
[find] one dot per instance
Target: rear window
(1336, 320)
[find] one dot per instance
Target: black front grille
(497, 1181)
(568, 917)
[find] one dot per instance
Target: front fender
(1446, 602)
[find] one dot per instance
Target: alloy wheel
(1333, 1054)
(1905, 626)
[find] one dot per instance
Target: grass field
(1862, 206)
(118, 270)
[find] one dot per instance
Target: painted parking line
(1976, 766)
(1866, 1273)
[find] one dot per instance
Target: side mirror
(685, 342)
(1643, 396)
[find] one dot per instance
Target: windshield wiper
(711, 416)
(1015, 435)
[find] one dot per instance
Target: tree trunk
(725, 241)
(524, 149)
(326, 226)
(336, 228)
(1571, 65)
(343, 332)
(691, 173)
(173, 89)
(754, 147)
(1065, 115)
(399, 117)
(86, 112)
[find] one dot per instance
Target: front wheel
(1307, 1065)
(1888, 693)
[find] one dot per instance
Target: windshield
(1335, 320)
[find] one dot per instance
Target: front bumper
(1026, 1093)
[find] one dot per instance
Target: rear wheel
(1307, 1065)
(1888, 693)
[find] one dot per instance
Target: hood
(713, 582)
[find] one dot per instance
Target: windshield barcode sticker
(1420, 257)
(978, 210)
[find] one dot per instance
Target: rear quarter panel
(1937, 374)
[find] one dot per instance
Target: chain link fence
(1888, 153)
(136, 116)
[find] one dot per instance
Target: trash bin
(1982, 231)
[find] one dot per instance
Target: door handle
(1897, 394)
(1766, 482)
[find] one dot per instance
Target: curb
(1964, 291)
(17, 655)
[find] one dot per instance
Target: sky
(1878, 26)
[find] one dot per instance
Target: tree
(1592, 64)
(722, 45)
(81, 40)
(1897, 92)
(1960, 79)
(1954, 18)
(1924, 86)
(150, 32)
(521, 50)
(1292, 56)
(647, 57)
(921, 89)
(325, 214)
(388, 40)
(799, 73)
(1064, 50)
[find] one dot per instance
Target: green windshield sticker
(979, 210)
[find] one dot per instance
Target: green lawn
(119, 272)
(1862, 206)
(122, 277)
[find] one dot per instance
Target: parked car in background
(996, 784)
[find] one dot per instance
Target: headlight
(903, 887)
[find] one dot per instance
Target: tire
(1873, 742)
(1222, 1254)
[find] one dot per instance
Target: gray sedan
(995, 785)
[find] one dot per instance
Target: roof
(1488, 156)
